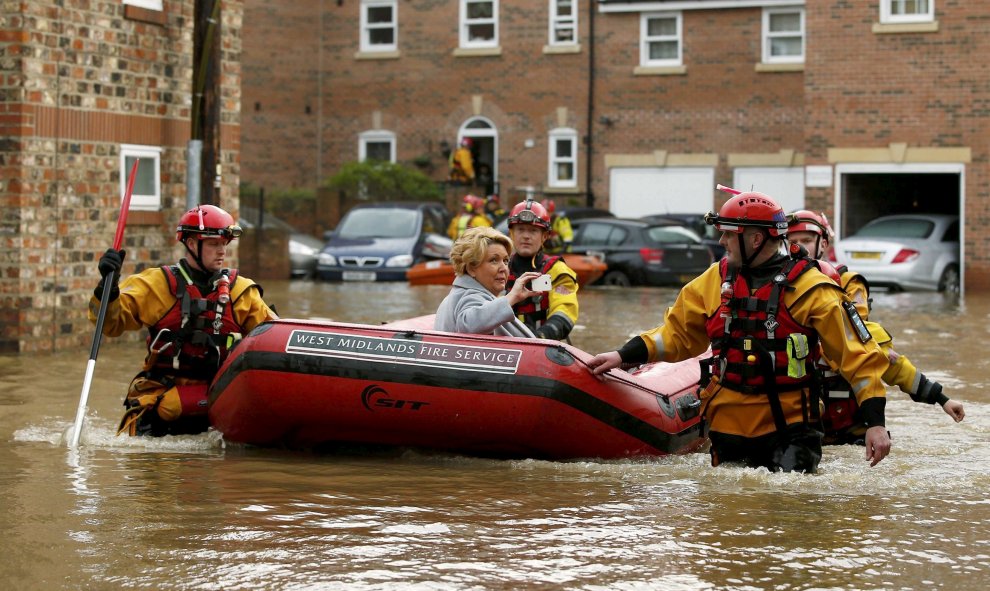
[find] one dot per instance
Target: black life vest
(194, 337)
(750, 334)
(533, 310)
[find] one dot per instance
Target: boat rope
(611, 374)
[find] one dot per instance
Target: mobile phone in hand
(541, 283)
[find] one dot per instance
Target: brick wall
(83, 79)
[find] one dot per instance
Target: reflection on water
(194, 513)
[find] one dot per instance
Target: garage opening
(871, 195)
(867, 192)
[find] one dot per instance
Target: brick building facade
(86, 82)
(853, 108)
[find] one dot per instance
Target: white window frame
(376, 136)
(887, 12)
(466, 24)
(148, 4)
(769, 36)
(645, 40)
(560, 23)
(367, 27)
(149, 156)
(556, 135)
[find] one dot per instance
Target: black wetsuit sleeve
(871, 411)
(634, 351)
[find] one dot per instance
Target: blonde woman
(475, 303)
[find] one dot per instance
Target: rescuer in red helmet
(767, 314)
(462, 163)
(840, 419)
(194, 312)
(550, 314)
(470, 215)
(561, 233)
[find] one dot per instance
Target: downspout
(589, 151)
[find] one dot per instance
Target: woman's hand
(520, 289)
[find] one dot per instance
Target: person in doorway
(549, 314)
(763, 310)
(484, 178)
(561, 234)
(840, 419)
(462, 164)
(194, 312)
(477, 302)
(471, 215)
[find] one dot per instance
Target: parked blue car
(380, 241)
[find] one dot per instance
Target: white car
(905, 251)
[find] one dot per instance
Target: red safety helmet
(749, 209)
(207, 221)
(530, 212)
(804, 220)
(473, 203)
(467, 142)
(549, 205)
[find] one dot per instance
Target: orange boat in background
(440, 272)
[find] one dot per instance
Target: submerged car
(696, 221)
(380, 241)
(905, 251)
(638, 252)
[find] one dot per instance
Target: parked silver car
(905, 251)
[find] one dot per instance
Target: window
(479, 23)
(783, 35)
(907, 11)
(379, 25)
(149, 4)
(147, 193)
(660, 40)
(377, 145)
(563, 22)
(563, 158)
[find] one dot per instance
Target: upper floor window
(563, 158)
(149, 4)
(376, 145)
(783, 35)
(479, 23)
(563, 22)
(379, 25)
(147, 193)
(660, 39)
(907, 11)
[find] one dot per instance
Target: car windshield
(897, 228)
(672, 235)
(375, 222)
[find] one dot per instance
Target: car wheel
(616, 278)
(949, 281)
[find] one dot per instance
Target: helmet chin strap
(742, 249)
(198, 255)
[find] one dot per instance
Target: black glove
(110, 262)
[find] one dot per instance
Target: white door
(784, 184)
(635, 192)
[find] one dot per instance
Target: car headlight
(301, 249)
(400, 260)
(328, 260)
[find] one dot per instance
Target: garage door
(784, 184)
(635, 192)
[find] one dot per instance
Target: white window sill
(894, 28)
(659, 70)
(765, 67)
(568, 190)
(377, 55)
(477, 51)
(575, 48)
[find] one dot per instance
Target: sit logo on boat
(376, 396)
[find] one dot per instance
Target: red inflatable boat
(305, 384)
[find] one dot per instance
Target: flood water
(193, 513)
